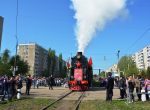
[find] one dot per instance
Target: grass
(38, 103)
(25, 104)
(114, 105)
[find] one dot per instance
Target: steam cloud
(92, 15)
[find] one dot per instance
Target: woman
(131, 85)
(147, 88)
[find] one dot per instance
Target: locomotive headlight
(78, 57)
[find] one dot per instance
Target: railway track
(49, 105)
(74, 106)
(79, 101)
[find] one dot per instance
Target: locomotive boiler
(80, 73)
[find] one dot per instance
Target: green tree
(53, 61)
(64, 72)
(49, 64)
(45, 73)
(60, 64)
(127, 65)
(143, 73)
(5, 69)
(22, 67)
(102, 74)
(4, 65)
(5, 56)
(148, 72)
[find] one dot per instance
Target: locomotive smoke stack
(79, 53)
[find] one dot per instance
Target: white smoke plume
(92, 15)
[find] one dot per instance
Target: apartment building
(35, 56)
(113, 68)
(142, 58)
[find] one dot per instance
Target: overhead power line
(140, 37)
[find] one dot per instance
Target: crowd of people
(9, 85)
(127, 86)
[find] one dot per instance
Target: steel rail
(79, 101)
(49, 105)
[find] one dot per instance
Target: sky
(51, 24)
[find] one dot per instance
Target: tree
(143, 73)
(49, 64)
(102, 74)
(60, 64)
(5, 56)
(53, 61)
(4, 66)
(148, 72)
(127, 65)
(64, 72)
(5, 69)
(23, 67)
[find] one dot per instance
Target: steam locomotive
(80, 73)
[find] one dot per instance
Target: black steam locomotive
(81, 73)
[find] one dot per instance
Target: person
(109, 87)
(122, 87)
(50, 82)
(5, 88)
(37, 83)
(147, 88)
(131, 85)
(28, 85)
(10, 88)
(34, 82)
(138, 87)
(19, 86)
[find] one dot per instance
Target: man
(50, 82)
(28, 85)
(122, 87)
(109, 87)
(19, 86)
(5, 88)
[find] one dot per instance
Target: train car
(80, 73)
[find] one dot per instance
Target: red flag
(90, 61)
(68, 64)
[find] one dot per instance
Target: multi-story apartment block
(1, 29)
(35, 56)
(142, 58)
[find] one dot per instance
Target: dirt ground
(92, 94)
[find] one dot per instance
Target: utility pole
(15, 62)
(105, 65)
(118, 52)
